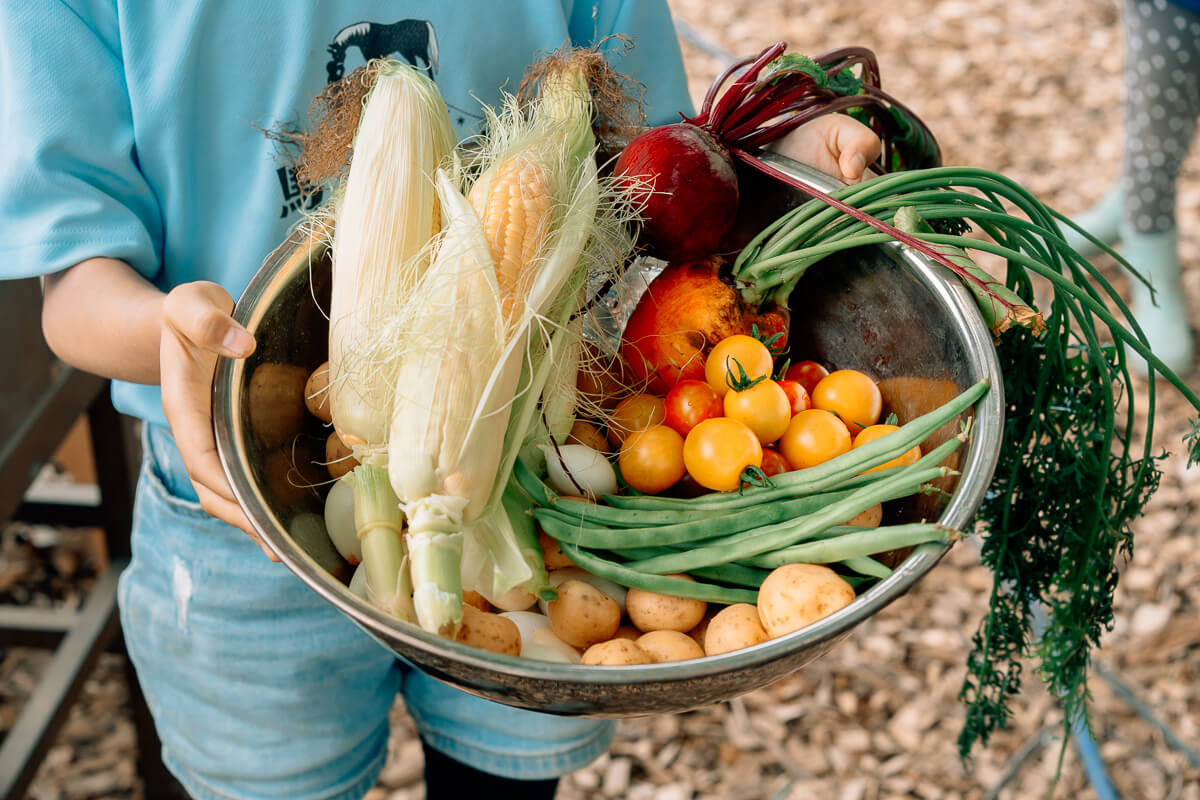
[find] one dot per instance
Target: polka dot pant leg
(1162, 63)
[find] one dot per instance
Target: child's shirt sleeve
(654, 59)
(70, 186)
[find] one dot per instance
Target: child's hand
(196, 328)
(835, 144)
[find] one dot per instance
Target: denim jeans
(261, 689)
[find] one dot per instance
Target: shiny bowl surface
(890, 312)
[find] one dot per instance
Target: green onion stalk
(1075, 469)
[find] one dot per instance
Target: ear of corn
(386, 216)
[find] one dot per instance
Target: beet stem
(742, 86)
(706, 108)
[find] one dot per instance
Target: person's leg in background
(1162, 86)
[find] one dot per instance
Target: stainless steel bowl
(893, 313)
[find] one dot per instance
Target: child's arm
(103, 317)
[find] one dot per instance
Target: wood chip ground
(1030, 89)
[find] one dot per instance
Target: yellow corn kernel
(514, 207)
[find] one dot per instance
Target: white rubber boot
(1102, 220)
(1165, 318)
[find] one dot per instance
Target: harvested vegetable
(615, 653)
(733, 628)
(796, 595)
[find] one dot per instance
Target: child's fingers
(196, 327)
(855, 144)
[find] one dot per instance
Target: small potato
(669, 646)
(698, 632)
(477, 600)
(517, 598)
(733, 628)
(275, 398)
(583, 615)
(552, 554)
(338, 458)
(615, 653)
(291, 475)
(796, 595)
(489, 632)
(586, 433)
(627, 632)
(869, 518)
(650, 611)
(316, 394)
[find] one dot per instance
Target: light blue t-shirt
(133, 129)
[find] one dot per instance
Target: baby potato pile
(596, 622)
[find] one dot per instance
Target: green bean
(708, 526)
(744, 545)
(852, 545)
(736, 574)
(826, 475)
(865, 565)
(660, 584)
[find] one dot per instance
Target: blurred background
(1030, 89)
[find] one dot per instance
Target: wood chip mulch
(1029, 89)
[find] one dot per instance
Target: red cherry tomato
(806, 373)
(774, 463)
(689, 403)
(797, 395)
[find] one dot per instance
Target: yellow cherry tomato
(851, 395)
(718, 450)
(651, 461)
(765, 409)
(813, 437)
(635, 413)
(873, 432)
(735, 354)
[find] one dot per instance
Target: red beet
(688, 183)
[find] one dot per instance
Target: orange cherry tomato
(633, 414)
(797, 395)
(850, 394)
(718, 450)
(873, 432)
(813, 437)
(734, 355)
(689, 403)
(651, 461)
(774, 463)
(764, 408)
(806, 373)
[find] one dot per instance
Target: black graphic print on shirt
(412, 40)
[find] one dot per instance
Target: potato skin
(489, 631)
(650, 611)
(552, 553)
(275, 398)
(871, 518)
(733, 628)
(583, 615)
(316, 394)
(796, 595)
(615, 653)
(669, 646)
(338, 458)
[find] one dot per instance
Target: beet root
(688, 183)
